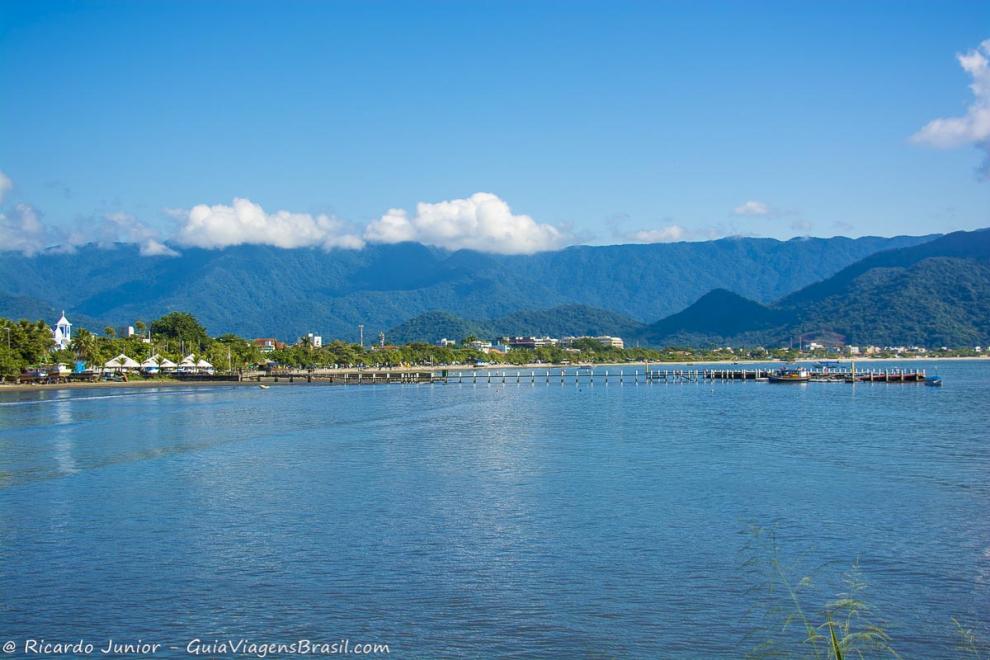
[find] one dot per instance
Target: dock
(570, 375)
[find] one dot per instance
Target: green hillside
(933, 294)
(263, 291)
(574, 320)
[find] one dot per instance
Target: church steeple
(62, 333)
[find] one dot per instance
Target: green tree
(182, 327)
(86, 347)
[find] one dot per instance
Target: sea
(499, 519)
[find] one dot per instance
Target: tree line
(25, 344)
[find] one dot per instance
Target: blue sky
(601, 121)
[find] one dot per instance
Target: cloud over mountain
(245, 222)
(23, 231)
(752, 207)
(668, 234)
(973, 127)
(483, 222)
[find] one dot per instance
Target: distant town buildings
(268, 344)
(444, 343)
(316, 341)
(605, 340)
(487, 347)
(529, 342)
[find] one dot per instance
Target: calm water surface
(493, 520)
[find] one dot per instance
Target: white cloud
(973, 127)
(23, 231)
(481, 222)
(5, 185)
(120, 227)
(154, 248)
(752, 207)
(221, 226)
(668, 234)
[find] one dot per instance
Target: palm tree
(85, 346)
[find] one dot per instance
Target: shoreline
(36, 387)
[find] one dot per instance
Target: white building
(604, 340)
(444, 343)
(62, 333)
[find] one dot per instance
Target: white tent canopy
(150, 363)
(203, 364)
(188, 361)
(167, 364)
(121, 362)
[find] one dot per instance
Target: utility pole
(361, 334)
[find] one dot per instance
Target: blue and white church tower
(62, 333)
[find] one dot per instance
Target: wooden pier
(328, 376)
(648, 375)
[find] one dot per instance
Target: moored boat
(790, 375)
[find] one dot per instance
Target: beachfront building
(487, 347)
(605, 340)
(62, 333)
(444, 343)
(529, 342)
(269, 344)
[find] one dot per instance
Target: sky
(509, 127)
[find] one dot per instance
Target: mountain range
(931, 294)
(266, 291)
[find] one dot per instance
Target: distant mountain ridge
(265, 291)
(936, 293)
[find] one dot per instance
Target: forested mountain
(933, 294)
(573, 320)
(264, 291)
(719, 316)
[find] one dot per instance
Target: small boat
(264, 387)
(933, 381)
(790, 375)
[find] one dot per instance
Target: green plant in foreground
(842, 629)
(969, 645)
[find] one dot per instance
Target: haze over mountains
(267, 291)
